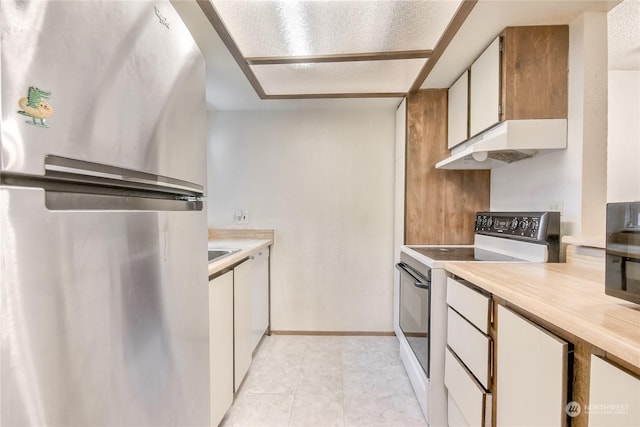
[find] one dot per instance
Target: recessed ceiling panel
(284, 28)
(624, 36)
(393, 76)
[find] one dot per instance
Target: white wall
(575, 177)
(623, 156)
(399, 203)
(324, 181)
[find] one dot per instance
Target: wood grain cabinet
(221, 345)
(522, 74)
(531, 371)
(614, 396)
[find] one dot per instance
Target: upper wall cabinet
(484, 97)
(522, 75)
(458, 111)
(535, 72)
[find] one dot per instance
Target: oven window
(414, 318)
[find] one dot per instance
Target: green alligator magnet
(35, 106)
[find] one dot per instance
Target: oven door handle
(418, 282)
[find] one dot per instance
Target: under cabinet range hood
(507, 142)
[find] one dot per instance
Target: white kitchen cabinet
(221, 345)
(458, 111)
(468, 357)
(472, 304)
(471, 346)
(531, 373)
(524, 78)
(454, 414)
(259, 263)
(484, 92)
(243, 350)
(614, 396)
(472, 401)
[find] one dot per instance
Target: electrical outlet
(554, 206)
(241, 217)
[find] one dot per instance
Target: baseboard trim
(337, 333)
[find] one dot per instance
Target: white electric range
(422, 309)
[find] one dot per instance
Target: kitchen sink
(216, 254)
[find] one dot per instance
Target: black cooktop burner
(454, 253)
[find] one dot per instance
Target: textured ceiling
(281, 28)
(624, 36)
(354, 40)
(229, 89)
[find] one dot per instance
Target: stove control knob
(484, 221)
(478, 221)
(524, 224)
(534, 225)
(490, 222)
(514, 223)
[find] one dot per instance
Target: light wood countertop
(247, 246)
(568, 296)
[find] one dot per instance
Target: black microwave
(622, 271)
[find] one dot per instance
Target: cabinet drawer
(470, 345)
(472, 400)
(261, 254)
(471, 304)
(454, 416)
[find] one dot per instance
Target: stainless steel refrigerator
(103, 236)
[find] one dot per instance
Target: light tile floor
(326, 381)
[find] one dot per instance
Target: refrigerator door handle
(68, 201)
(64, 168)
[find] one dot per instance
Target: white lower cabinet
(473, 305)
(259, 296)
(614, 396)
(221, 345)
(238, 318)
(472, 401)
(467, 372)
(242, 321)
(471, 346)
(454, 415)
(531, 370)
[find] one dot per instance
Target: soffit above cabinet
(489, 17)
(307, 49)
